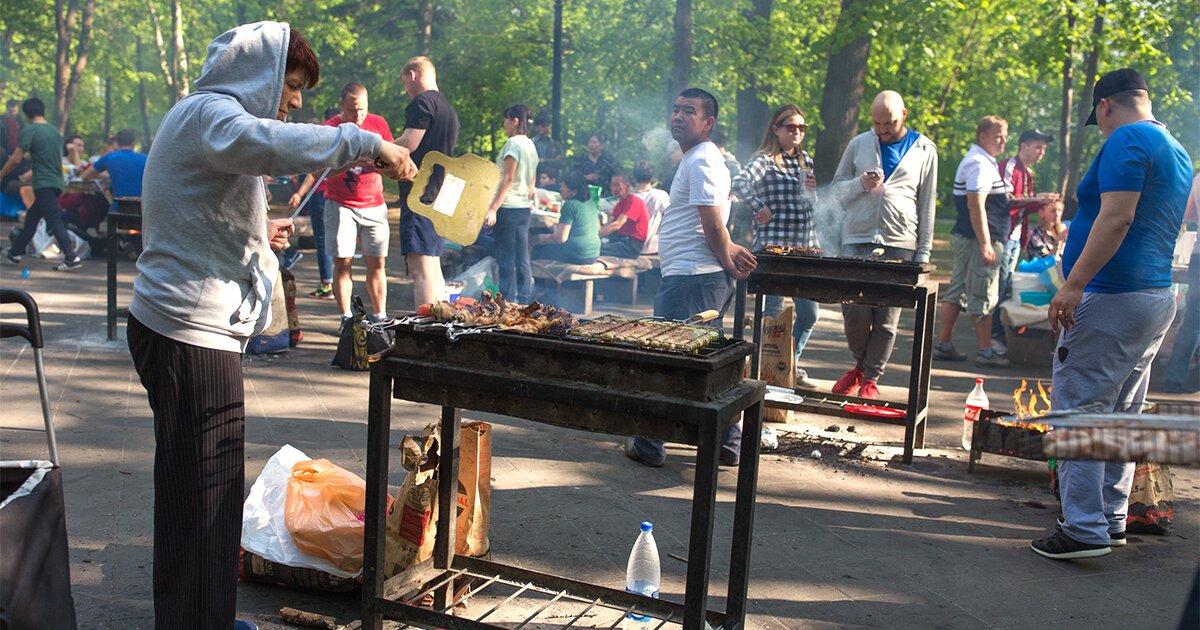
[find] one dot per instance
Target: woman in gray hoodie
(204, 288)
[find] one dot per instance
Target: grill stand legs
(439, 572)
(917, 408)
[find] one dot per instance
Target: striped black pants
(199, 475)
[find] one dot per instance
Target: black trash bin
(35, 571)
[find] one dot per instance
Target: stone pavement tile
(817, 615)
(863, 579)
(811, 545)
(920, 609)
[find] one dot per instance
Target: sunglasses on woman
(801, 128)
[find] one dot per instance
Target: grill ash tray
(703, 376)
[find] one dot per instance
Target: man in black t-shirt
(430, 124)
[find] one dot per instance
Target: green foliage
(953, 60)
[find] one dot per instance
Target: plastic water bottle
(977, 401)
(642, 574)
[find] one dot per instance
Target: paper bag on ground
(412, 521)
(474, 489)
(778, 358)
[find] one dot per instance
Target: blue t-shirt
(1141, 157)
(125, 168)
(891, 154)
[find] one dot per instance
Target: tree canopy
(953, 60)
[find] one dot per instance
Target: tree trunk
(557, 74)
(1068, 94)
(167, 75)
(752, 112)
(68, 72)
(681, 72)
(1084, 110)
(142, 97)
(845, 80)
(179, 61)
(107, 108)
(425, 28)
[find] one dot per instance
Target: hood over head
(248, 62)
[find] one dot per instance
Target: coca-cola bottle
(977, 401)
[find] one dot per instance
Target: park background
(106, 64)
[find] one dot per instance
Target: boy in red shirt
(630, 221)
(354, 210)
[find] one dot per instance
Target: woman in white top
(509, 212)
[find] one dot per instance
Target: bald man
(886, 184)
(430, 124)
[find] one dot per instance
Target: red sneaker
(848, 383)
(868, 390)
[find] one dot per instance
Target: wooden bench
(583, 277)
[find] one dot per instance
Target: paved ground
(839, 541)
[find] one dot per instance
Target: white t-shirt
(656, 201)
(702, 180)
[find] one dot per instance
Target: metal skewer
(312, 190)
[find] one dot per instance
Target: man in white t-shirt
(981, 229)
(656, 200)
(699, 261)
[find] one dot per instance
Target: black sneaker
(1115, 539)
(12, 258)
(1060, 546)
(70, 265)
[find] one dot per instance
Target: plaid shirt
(762, 183)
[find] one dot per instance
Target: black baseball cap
(1030, 135)
(542, 119)
(1115, 82)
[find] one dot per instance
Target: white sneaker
(999, 347)
(803, 382)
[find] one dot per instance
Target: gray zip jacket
(206, 272)
(903, 215)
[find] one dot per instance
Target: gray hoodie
(903, 215)
(207, 270)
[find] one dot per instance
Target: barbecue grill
(576, 383)
(999, 433)
(867, 282)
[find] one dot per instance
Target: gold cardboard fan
(468, 187)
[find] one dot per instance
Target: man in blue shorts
(1116, 303)
(430, 124)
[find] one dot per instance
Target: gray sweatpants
(1105, 358)
(871, 330)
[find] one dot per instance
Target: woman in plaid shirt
(778, 184)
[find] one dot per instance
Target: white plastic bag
(264, 531)
(44, 246)
(476, 275)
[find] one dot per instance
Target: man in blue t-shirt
(1116, 303)
(124, 167)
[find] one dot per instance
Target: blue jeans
(1008, 264)
(1181, 376)
(316, 211)
(807, 312)
(680, 297)
(1105, 359)
(511, 250)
